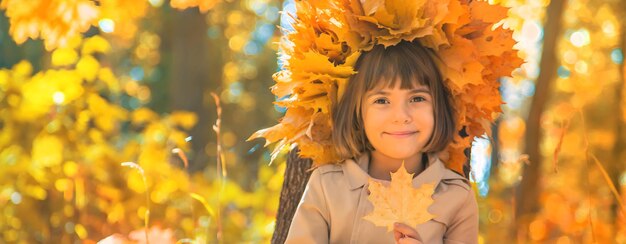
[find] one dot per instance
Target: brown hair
(412, 64)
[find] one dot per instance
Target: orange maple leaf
(400, 202)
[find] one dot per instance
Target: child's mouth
(401, 134)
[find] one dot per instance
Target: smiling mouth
(401, 133)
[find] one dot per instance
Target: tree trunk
(193, 59)
(529, 190)
(296, 176)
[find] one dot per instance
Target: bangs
(385, 67)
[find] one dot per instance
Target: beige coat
(335, 201)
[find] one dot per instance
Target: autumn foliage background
(86, 86)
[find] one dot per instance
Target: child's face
(398, 122)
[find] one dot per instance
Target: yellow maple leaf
(400, 202)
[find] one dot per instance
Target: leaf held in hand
(400, 202)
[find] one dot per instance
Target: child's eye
(418, 99)
(381, 101)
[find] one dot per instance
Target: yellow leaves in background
(95, 44)
(88, 67)
(203, 5)
(22, 69)
(54, 21)
(108, 115)
(135, 182)
(16, 75)
(161, 135)
(36, 96)
(44, 90)
(57, 22)
(124, 14)
(112, 83)
(65, 132)
(35, 191)
(64, 56)
(47, 151)
(63, 138)
(143, 115)
(159, 131)
(400, 201)
(4, 79)
(184, 119)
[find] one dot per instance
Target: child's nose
(402, 114)
(402, 119)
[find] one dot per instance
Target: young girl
(394, 109)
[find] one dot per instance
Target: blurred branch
(221, 169)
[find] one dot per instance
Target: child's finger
(405, 230)
(397, 235)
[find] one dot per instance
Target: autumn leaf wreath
(473, 46)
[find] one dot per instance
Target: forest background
(120, 115)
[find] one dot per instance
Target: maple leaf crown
(328, 37)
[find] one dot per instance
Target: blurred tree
(619, 148)
(529, 189)
(193, 69)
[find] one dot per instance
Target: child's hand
(405, 234)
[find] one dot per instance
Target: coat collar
(356, 172)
